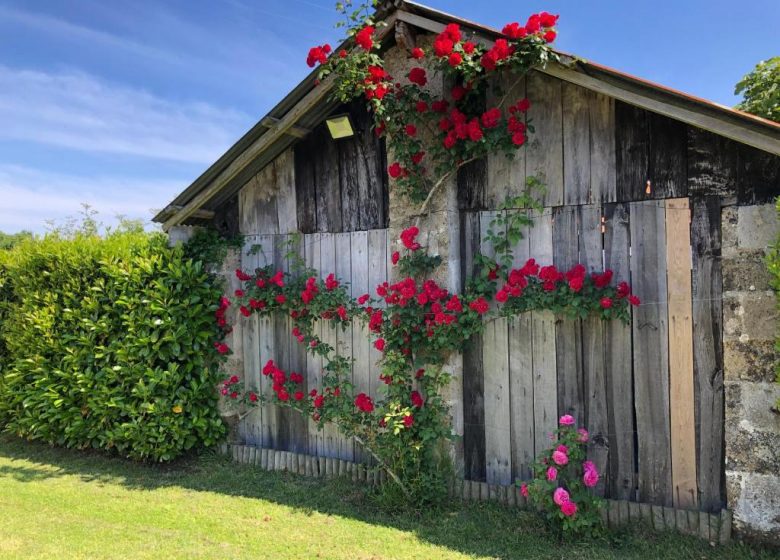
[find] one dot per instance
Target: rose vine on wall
(416, 323)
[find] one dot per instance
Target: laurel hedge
(108, 343)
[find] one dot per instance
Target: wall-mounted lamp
(340, 126)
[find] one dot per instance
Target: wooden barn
(672, 192)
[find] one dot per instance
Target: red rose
(502, 295)
(474, 130)
(234, 395)
(547, 20)
(411, 130)
(456, 58)
(379, 344)
(440, 106)
(252, 397)
(244, 311)
(458, 92)
(480, 305)
(606, 303)
(454, 305)
(417, 76)
(550, 36)
(281, 298)
(633, 300)
(364, 403)
(421, 106)
(239, 293)
(298, 395)
(342, 53)
(408, 420)
(417, 399)
(442, 46)
(418, 157)
(395, 257)
(419, 374)
(450, 141)
(408, 238)
(318, 401)
(395, 170)
(514, 30)
(518, 139)
(523, 105)
(623, 290)
(363, 299)
(364, 38)
(417, 53)
(491, 117)
(468, 47)
(317, 55)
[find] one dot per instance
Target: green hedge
(108, 343)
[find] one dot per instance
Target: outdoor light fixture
(340, 126)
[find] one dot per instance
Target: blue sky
(122, 104)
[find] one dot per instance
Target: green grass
(56, 503)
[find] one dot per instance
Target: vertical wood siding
(627, 190)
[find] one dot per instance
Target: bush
(108, 343)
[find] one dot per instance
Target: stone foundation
(752, 429)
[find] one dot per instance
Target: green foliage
(761, 90)
(561, 480)
(209, 247)
(108, 343)
(773, 263)
(9, 240)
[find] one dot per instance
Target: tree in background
(760, 90)
(8, 240)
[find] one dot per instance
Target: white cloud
(30, 197)
(82, 112)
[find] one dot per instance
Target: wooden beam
(295, 130)
(200, 214)
(287, 122)
(755, 138)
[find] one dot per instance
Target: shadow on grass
(476, 529)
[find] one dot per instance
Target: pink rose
(524, 490)
(588, 466)
(590, 478)
(560, 458)
(583, 436)
(560, 496)
(566, 420)
(552, 473)
(562, 449)
(568, 508)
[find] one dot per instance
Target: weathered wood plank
(473, 376)
(253, 423)
(521, 381)
(373, 190)
(505, 176)
(329, 336)
(298, 428)
(712, 164)
(707, 288)
(326, 170)
(576, 144)
(361, 336)
(344, 336)
(266, 201)
(282, 344)
(247, 211)
(377, 273)
(312, 254)
(632, 152)
(682, 421)
(267, 342)
(618, 365)
(305, 184)
(472, 181)
(544, 154)
(668, 157)
(568, 339)
(759, 175)
(593, 356)
(286, 203)
(602, 148)
(495, 356)
(651, 352)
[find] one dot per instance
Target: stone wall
(752, 429)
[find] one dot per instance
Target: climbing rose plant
(563, 479)
(432, 134)
(416, 324)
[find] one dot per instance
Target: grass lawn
(62, 504)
